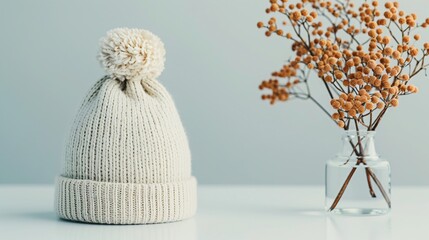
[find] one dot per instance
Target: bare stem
(343, 189)
(371, 190)
(320, 106)
(380, 186)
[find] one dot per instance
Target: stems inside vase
(369, 175)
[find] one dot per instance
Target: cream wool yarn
(127, 160)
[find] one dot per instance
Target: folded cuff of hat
(125, 203)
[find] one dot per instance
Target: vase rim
(362, 132)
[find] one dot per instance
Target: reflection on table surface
(225, 212)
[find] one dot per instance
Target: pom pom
(130, 54)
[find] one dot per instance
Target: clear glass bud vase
(357, 180)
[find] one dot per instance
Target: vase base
(360, 211)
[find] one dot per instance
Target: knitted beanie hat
(127, 160)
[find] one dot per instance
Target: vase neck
(359, 144)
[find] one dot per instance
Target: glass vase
(357, 180)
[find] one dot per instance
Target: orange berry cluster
(284, 91)
(366, 55)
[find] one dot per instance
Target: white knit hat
(127, 160)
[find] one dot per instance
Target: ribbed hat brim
(125, 203)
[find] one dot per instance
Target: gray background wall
(215, 60)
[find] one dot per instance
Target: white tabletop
(224, 212)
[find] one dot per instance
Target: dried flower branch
(366, 58)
